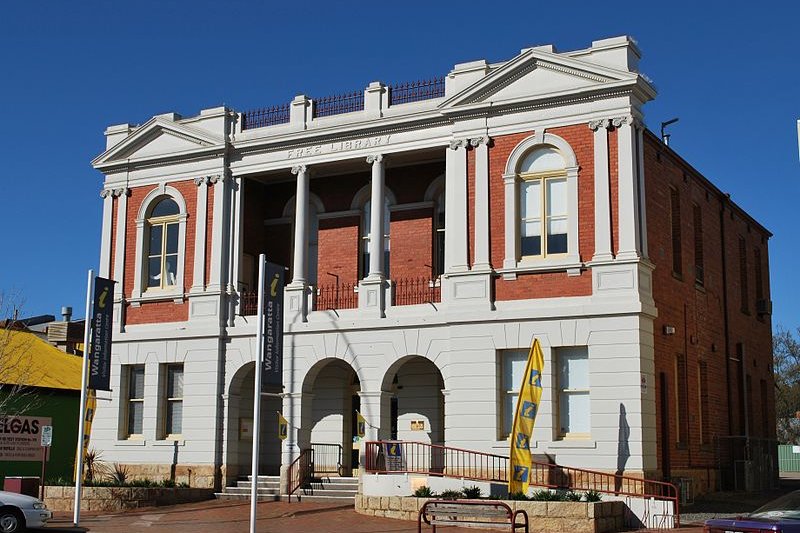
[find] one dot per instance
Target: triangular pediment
(534, 74)
(159, 137)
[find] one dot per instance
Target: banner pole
(257, 393)
(76, 515)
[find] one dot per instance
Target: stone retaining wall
(120, 498)
(571, 517)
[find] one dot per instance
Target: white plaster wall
(419, 398)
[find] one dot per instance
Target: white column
(201, 221)
(455, 237)
(105, 237)
(511, 220)
(602, 194)
(378, 205)
(628, 189)
(300, 266)
(642, 203)
(481, 145)
(218, 232)
(120, 244)
(237, 244)
(376, 409)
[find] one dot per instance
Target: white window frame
(167, 400)
(359, 204)
(560, 391)
(128, 374)
(513, 262)
(507, 390)
(175, 292)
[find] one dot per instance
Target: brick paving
(226, 517)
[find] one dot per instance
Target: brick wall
(338, 250)
(411, 235)
(543, 285)
(697, 312)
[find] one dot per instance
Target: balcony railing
(339, 104)
(416, 91)
(266, 116)
(413, 291)
(248, 303)
(338, 296)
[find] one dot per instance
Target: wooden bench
(477, 514)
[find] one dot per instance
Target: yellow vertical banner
(88, 417)
(361, 425)
(530, 394)
(283, 427)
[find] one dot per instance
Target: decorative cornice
(299, 169)
(595, 125)
(374, 158)
(459, 143)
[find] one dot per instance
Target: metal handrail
(327, 458)
(300, 473)
(446, 461)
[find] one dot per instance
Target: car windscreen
(786, 507)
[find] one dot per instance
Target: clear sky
(729, 70)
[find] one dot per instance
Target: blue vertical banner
(530, 394)
(272, 365)
(100, 347)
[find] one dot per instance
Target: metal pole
(76, 515)
(257, 393)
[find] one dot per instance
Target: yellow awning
(25, 359)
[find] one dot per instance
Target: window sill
(133, 441)
(170, 441)
(574, 443)
(572, 265)
(176, 296)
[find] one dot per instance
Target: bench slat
(478, 513)
(460, 523)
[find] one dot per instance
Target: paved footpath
(227, 517)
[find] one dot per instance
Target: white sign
(47, 435)
(795, 449)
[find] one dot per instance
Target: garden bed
(122, 498)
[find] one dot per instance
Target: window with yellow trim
(163, 225)
(543, 204)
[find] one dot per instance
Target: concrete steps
(333, 489)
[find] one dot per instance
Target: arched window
(543, 203)
(163, 226)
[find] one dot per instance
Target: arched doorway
(333, 387)
(240, 427)
(417, 402)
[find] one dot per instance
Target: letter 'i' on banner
(100, 347)
(283, 427)
(272, 364)
(530, 395)
(361, 425)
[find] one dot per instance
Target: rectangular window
(675, 225)
(543, 217)
(758, 273)
(743, 275)
(697, 217)
(702, 393)
(173, 400)
(682, 400)
(573, 392)
(513, 364)
(135, 400)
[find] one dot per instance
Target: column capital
(477, 141)
(374, 158)
(455, 144)
(106, 193)
(122, 191)
(619, 121)
(216, 178)
(299, 169)
(595, 125)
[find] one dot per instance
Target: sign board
(100, 348)
(47, 436)
(795, 449)
(272, 365)
(21, 437)
(393, 455)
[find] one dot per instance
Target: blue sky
(69, 69)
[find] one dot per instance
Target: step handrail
(300, 472)
(447, 461)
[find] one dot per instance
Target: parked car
(781, 515)
(18, 511)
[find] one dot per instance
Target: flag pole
(76, 515)
(257, 393)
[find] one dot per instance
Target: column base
(372, 297)
(295, 303)
(469, 289)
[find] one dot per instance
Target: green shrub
(572, 496)
(424, 492)
(545, 495)
(521, 496)
(592, 496)
(451, 495)
(473, 493)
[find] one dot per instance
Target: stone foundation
(569, 517)
(200, 476)
(121, 498)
